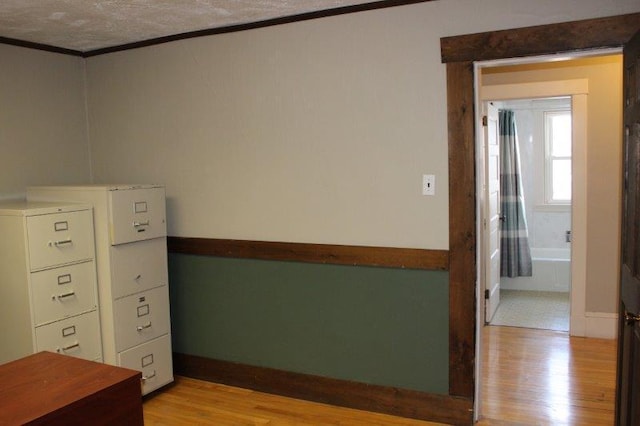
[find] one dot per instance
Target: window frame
(549, 158)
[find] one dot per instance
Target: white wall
(310, 132)
(316, 131)
(43, 131)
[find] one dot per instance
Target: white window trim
(548, 200)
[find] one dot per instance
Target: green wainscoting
(373, 325)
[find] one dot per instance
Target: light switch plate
(428, 184)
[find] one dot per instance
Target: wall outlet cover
(428, 184)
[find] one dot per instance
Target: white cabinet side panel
(16, 333)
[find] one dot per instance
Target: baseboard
(382, 399)
(601, 325)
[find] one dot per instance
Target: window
(557, 125)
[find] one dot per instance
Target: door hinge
(484, 120)
(486, 294)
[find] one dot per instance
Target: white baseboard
(601, 325)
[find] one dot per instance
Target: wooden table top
(45, 382)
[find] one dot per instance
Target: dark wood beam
(462, 228)
(606, 32)
(390, 257)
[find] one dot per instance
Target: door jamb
(459, 53)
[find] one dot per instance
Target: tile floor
(545, 310)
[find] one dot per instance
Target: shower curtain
(515, 254)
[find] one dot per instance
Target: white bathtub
(551, 272)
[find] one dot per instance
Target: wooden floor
(532, 377)
(540, 377)
(195, 402)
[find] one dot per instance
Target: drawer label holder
(143, 310)
(140, 207)
(64, 279)
(147, 360)
(69, 331)
(61, 226)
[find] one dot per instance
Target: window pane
(561, 135)
(561, 175)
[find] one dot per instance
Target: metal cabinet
(131, 258)
(48, 292)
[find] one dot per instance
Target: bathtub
(551, 272)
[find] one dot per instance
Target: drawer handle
(67, 294)
(150, 376)
(69, 347)
(139, 224)
(60, 242)
(142, 327)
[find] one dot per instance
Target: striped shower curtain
(515, 255)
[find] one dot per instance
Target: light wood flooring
(543, 377)
(531, 377)
(195, 402)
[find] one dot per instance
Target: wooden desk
(53, 389)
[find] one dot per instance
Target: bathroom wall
(547, 224)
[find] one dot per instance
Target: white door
(492, 211)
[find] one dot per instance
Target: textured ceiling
(85, 25)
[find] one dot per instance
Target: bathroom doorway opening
(544, 138)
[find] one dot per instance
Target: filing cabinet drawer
(76, 336)
(138, 266)
(56, 239)
(153, 359)
(141, 317)
(137, 214)
(63, 292)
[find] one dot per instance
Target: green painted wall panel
(373, 325)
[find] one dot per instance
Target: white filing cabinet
(48, 293)
(131, 254)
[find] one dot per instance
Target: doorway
(514, 86)
(460, 54)
(592, 84)
(541, 300)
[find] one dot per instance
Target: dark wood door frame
(459, 54)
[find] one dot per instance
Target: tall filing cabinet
(48, 294)
(131, 254)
